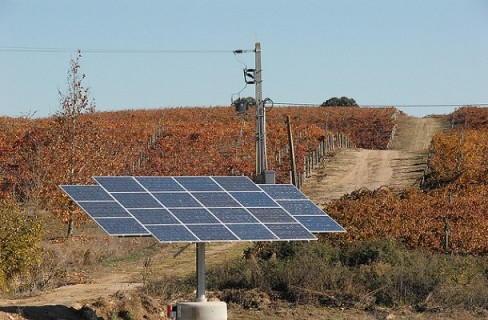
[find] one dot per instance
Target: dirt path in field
(400, 166)
(123, 276)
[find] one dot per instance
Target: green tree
(340, 102)
(20, 236)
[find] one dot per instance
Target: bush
(361, 274)
(20, 236)
(368, 252)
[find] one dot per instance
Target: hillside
(107, 273)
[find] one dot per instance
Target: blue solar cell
(153, 216)
(320, 224)
(283, 191)
(87, 193)
(172, 233)
(193, 209)
(122, 226)
(290, 231)
(251, 232)
(198, 183)
(270, 215)
(177, 199)
(233, 215)
(301, 207)
(215, 199)
(104, 209)
(254, 199)
(213, 232)
(238, 183)
(119, 184)
(194, 216)
(159, 184)
(136, 200)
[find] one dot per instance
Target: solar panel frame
(239, 208)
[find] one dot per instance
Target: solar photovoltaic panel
(301, 208)
(106, 209)
(85, 193)
(119, 184)
(159, 184)
(215, 199)
(320, 224)
(106, 212)
(198, 183)
(283, 191)
(122, 227)
(254, 199)
(172, 233)
(176, 199)
(236, 183)
(201, 209)
(153, 216)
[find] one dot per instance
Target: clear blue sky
(415, 52)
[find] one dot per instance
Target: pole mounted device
(255, 76)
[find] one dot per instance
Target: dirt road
(398, 167)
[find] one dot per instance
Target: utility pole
(255, 76)
(263, 175)
(261, 162)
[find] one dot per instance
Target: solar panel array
(201, 209)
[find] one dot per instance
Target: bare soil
(399, 167)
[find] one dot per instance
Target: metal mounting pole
(201, 272)
(292, 153)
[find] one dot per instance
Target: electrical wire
(238, 94)
(121, 51)
(388, 105)
(236, 52)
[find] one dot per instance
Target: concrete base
(212, 310)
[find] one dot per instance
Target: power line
(426, 105)
(389, 105)
(117, 51)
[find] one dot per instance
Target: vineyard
(358, 270)
(449, 213)
(37, 155)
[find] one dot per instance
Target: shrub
(361, 274)
(20, 236)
